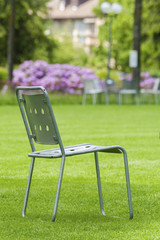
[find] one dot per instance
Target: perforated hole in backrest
(42, 110)
(40, 119)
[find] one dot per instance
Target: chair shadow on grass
(81, 210)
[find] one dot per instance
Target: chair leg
(28, 187)
(150, 98)
(137, 96)
(156, 98)
(84, 99)
(127, 182)
(94, 96)
(107, 97)
(127, 98)
(120, 98)
(58, 189)
(145, 98)
(99, 183)
(117, 99)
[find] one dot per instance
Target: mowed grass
(134, 127)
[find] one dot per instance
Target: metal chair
(42, 128)
(128, 89)
(155, 91)
(92, 87)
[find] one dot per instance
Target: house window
(62, 5)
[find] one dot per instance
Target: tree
(150, 56)
(30, 41)
(11, 40)
(122, 35)
(4, 16)
(137, 42)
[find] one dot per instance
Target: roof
(84, 10)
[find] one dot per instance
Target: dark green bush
(3, 76)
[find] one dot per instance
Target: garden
(66, 81)
(36, 58)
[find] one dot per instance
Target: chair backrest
(127, 84)
(38, 115)
(91, 85)
(156, 84)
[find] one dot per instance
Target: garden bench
(42, 128)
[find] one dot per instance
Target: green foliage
(151, 34)
(3, 76)
(3, 73)
(4, 13)
(32, 43)
(66, 53)
(98, 58)
(30, 40)
(122, 35)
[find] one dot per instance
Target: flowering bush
(146, 80)
(62, 78)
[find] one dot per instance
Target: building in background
(76, 19)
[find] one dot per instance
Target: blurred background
(114, 40)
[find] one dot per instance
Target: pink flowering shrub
(63, 78)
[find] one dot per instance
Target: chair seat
(149, 91)
(112, 90)
(128, 91)
(74, 150)
(94, 91)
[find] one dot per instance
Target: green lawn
(134, 127)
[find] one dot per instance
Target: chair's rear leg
(58, 189)
(94, 98)
(99, 183)
(107, 97)
(128, 182)
(84, 99)
(28, 187)
(120, 98)
(156, 98)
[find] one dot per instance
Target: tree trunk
(137, 42)
(11, 40)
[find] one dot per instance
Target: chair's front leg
(120, 98)
(28, 187)
(84, 98)
(107, 97)
(94, 98)
(58, 188)
(128, 182)
(155, 98)
(99, 183)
